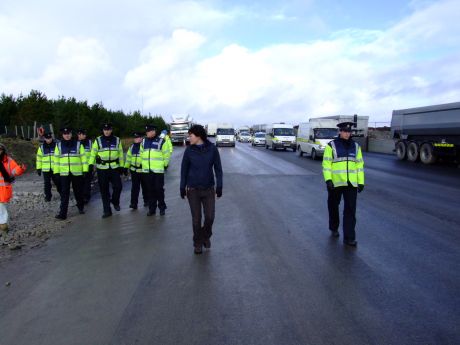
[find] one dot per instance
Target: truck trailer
(427, 133)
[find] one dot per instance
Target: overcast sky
(243, 62)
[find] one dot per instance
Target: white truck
(179, 129)
(280, 136)
(314, 135)
(211, 129)
(225, 135)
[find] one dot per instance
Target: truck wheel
(313, 154)
(266, 147)
(427, 155)
(413, 152)
(401, 150)
(273, 147)
(299, 151)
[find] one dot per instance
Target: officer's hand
(330, 185)
(125, 171)
(91, 168)
(166, 168)
(183, 193)
(360, 188)
(39, 172)
(219, 192)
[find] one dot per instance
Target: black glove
(125, 171)
(360, 188)
(91, 168)
(39, 172)
(219, 192)
(183, 193)
(330, 185)
(166, 168)
(98, 160)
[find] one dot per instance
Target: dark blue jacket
(198, 164)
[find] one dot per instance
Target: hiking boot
(207, 243)
(134, 207)
(60, 217)
(107, 215)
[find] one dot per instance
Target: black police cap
(149, 128)
(66, 130)
(346, 126)
(138, 134)
(81, 131)
(107, 126)
(48, 135)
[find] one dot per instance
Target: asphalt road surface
(273, 275)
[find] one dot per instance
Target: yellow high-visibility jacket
(45, 157)
(342, 164)
(109, 151)
(70, 158)
(154, 154)
(133, 158)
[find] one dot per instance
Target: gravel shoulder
(32, 220)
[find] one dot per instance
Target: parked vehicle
(179, 129)
(258, 139)
(280, 136)
(427, 133)
(225, 135)
(313, 136)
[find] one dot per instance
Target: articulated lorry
(427, 133)
(179, 129)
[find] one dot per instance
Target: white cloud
(171, 60)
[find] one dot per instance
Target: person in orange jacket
(9, 169)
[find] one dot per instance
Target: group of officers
(72, 162)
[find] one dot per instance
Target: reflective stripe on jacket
(133, 158)
(342, 164)
(154, 154)
(109, 150)
(70, 159)
(45, 154)
(88, 145)
(13, 169)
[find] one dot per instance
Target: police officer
(343, 171)
(134, 165)
(107, 154)
(44, 165)
(155, 158)
(71, 165)
(87, 144)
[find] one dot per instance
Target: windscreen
(225, 131)
(284, 132)
(244, 134)
(325, 133)
(260, 135)
(181, 127)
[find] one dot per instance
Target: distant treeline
(24, 110)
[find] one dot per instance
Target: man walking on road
(44, 165)
(197, 183)
(343, 171)
(155, 159)
(134, 165)
(71, 165)
(87, 144)
(107, 154)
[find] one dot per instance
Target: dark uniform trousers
(48, 177)
(349, 194)
(106, 177)
(77, 186)
(87, 185)
(202, 201)
(137, 182)
(155, 190)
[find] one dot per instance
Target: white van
(280, 136)
(313, 136)
(225, 135)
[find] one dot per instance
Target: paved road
(273, 276)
